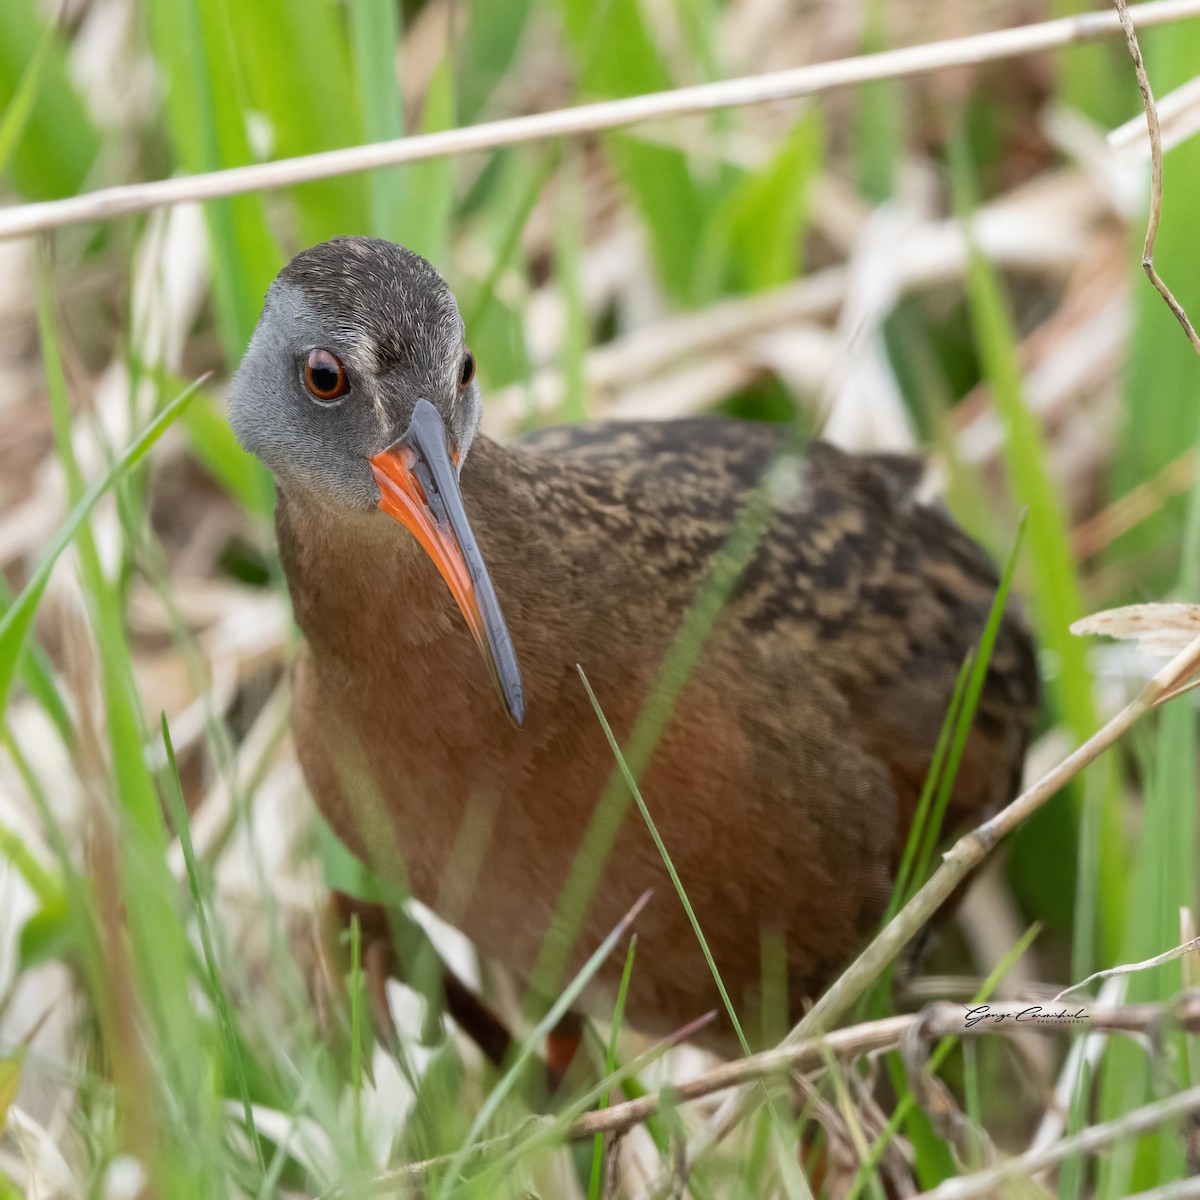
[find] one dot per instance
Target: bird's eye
(324, 375)
(467, 371)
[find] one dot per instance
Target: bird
(448, 586)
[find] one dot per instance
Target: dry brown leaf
(1160, 629)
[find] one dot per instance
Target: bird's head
(358, 389)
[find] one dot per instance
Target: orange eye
(467, 371)
(324, 375)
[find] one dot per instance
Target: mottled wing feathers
(858, 586)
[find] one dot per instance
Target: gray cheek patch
(319, 448)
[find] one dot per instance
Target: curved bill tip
(418, 486)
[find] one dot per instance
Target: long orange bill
(418, 485)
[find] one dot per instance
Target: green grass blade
(665, 855)
(624, 1075)
(610, 1065)
(495, 323)
(907, 1101)
(206, 113)
(1071, 1176)
(38, 676)
(1162, 883)
(533, 1040)
(1159, 414)
(568, 245)
(183, 1114)
(54, 143)
(493, 36)
(793, 1181)
(965, 717)
(1056, 593)
(845, 1106)
(903, 886)
(80, 916)
(754, 237)
(20, 107)
(684, 652)
(177, 810)
(428, 201)
(356, 1028)
(41, 883)
(618, 56)
(374, 34)
(16, 622)
(1080, 67)
(880, 116)
(973, 1105)
(290, 62)
(240, 473)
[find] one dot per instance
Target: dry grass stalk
(1095, 1137)
(966, 854)
(23, 220)
(1156, 177)
(1188, 947)
(933, 255)
(1084, 1056)
(939, 1020)
(1159, 629)
(1136, 506)
(1178, 116)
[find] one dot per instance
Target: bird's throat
(363, 587)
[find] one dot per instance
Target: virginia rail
(785, 783)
